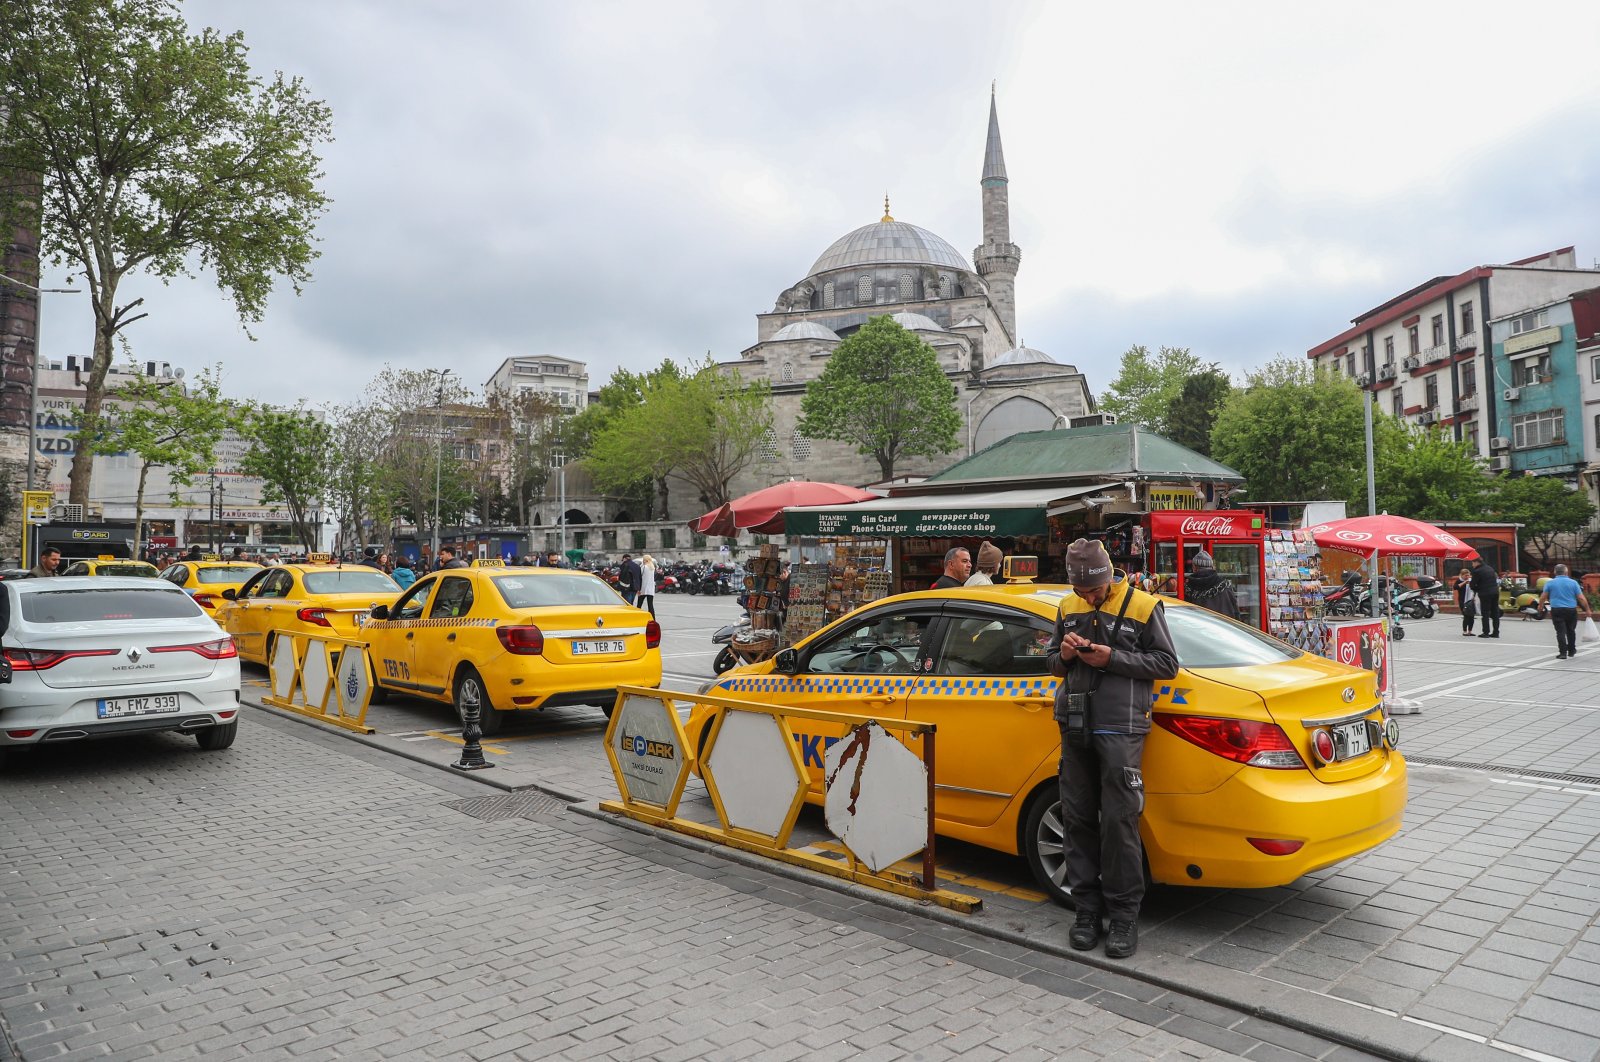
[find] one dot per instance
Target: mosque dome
(807, 330)
(914, 322)
(889, 242)
(1022, 356)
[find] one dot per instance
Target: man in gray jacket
(1111, 644)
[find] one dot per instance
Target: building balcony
(1465, 342)
(1439, 352)
(1467, 403)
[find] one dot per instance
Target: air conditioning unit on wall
(1513, 393)
(1499, 442)
(1499, 464)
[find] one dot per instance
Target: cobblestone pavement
(303, 896)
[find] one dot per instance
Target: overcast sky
(624, 182)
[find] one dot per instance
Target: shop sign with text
(884, 523)
(1214, 523)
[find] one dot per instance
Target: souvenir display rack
(1293, 590)
(822, 592)
(764, 600)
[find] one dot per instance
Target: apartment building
(1428, 357)
(562, 380)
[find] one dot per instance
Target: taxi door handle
(410, 635)
(878, 698)
(450, 637)
(1032, 704)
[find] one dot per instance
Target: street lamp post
(559, 459)
(438, 461)
(33, 377)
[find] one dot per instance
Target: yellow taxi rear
(305, 599)
(1263, 763)
(205, 581)
(138, 569)
(504, 639)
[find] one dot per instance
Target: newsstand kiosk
(1234, 538)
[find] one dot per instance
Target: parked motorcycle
(723, 636)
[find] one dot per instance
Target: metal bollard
(471, 751)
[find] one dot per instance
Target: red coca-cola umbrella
(1367, 535)
(762, 510)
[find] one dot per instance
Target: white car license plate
(1353, 739)
(609, 645)
(155, 704)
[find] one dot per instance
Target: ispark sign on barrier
(647, 752)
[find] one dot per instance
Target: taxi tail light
(219, 649)
(317, 617)
(526, 640)
(44, 659)
(1275, 845)
(1244, 741)
(652, 634)
(206, 600)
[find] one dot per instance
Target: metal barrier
(878, 795)
(325, 677)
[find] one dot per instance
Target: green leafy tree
(623, 392)
(1422, 473)
(289, 453)
(425, 417)
(156, 151)
(1193, 414)
(884, 393)
(1146, 385)
(530, 432)
(1545, 507)
(1296, 435)
(355, 489)
(171, 424)
(704, 427)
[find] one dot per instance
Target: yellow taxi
(106, 566)
(206, 581)
(1263, 762)
(512, 639)
(301, 599)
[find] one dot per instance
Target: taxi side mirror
(787, 661)
(230, 594)
(379, 612)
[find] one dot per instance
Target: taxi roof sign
(488, 562)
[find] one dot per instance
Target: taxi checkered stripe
(458, 621)
(951, 686)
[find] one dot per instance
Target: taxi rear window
(126, 569)
(538, 591)
(233, 573)
(370, 581)
(1204, 639)
(88, 606)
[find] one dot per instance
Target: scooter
(1342, 601)
(723, 636)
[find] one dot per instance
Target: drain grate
(1520, 772)
(525, 805)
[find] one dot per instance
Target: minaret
(997, 258)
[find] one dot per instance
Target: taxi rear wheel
(1044, 844)
(469, 692)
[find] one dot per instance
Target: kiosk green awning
(955, 515)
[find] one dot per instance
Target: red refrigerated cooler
(1234, 540)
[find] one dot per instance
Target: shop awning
(1001, 512)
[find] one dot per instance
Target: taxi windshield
(350, 581)
(1204, 639)
(133, 568)
(232, 573)
(535, 591)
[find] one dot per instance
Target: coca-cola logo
(1216, 525)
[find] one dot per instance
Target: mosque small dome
(1022, 356)
(805, 330)
(916, 322)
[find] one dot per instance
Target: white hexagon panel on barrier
(646, 745)
(314, 676)
(283, 670)
(876, 797)
(352, 685)
(754, 774)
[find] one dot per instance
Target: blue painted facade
(1526, 419)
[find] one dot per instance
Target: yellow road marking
(488, 746)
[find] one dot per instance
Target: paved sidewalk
(303, 896)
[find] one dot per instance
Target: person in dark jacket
(1486, 584)
(1204, 587)
(629, 577)
(1111, 644)
(957, 567)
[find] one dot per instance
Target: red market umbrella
(1366, 535)
(762, 511)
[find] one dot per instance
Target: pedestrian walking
(1108, 667)
(403, 575)
(989, 560)
(1486, 585)
(628, 578)
(646, 598)
(957, 566)
(1563, 594)
(1466, 600)
(448, 558)
(1204, 587)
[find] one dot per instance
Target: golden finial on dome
(886, 216)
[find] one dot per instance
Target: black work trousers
(1489, 608)
(1102, 797)
(1565, 621)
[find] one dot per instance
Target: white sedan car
(102, 655)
